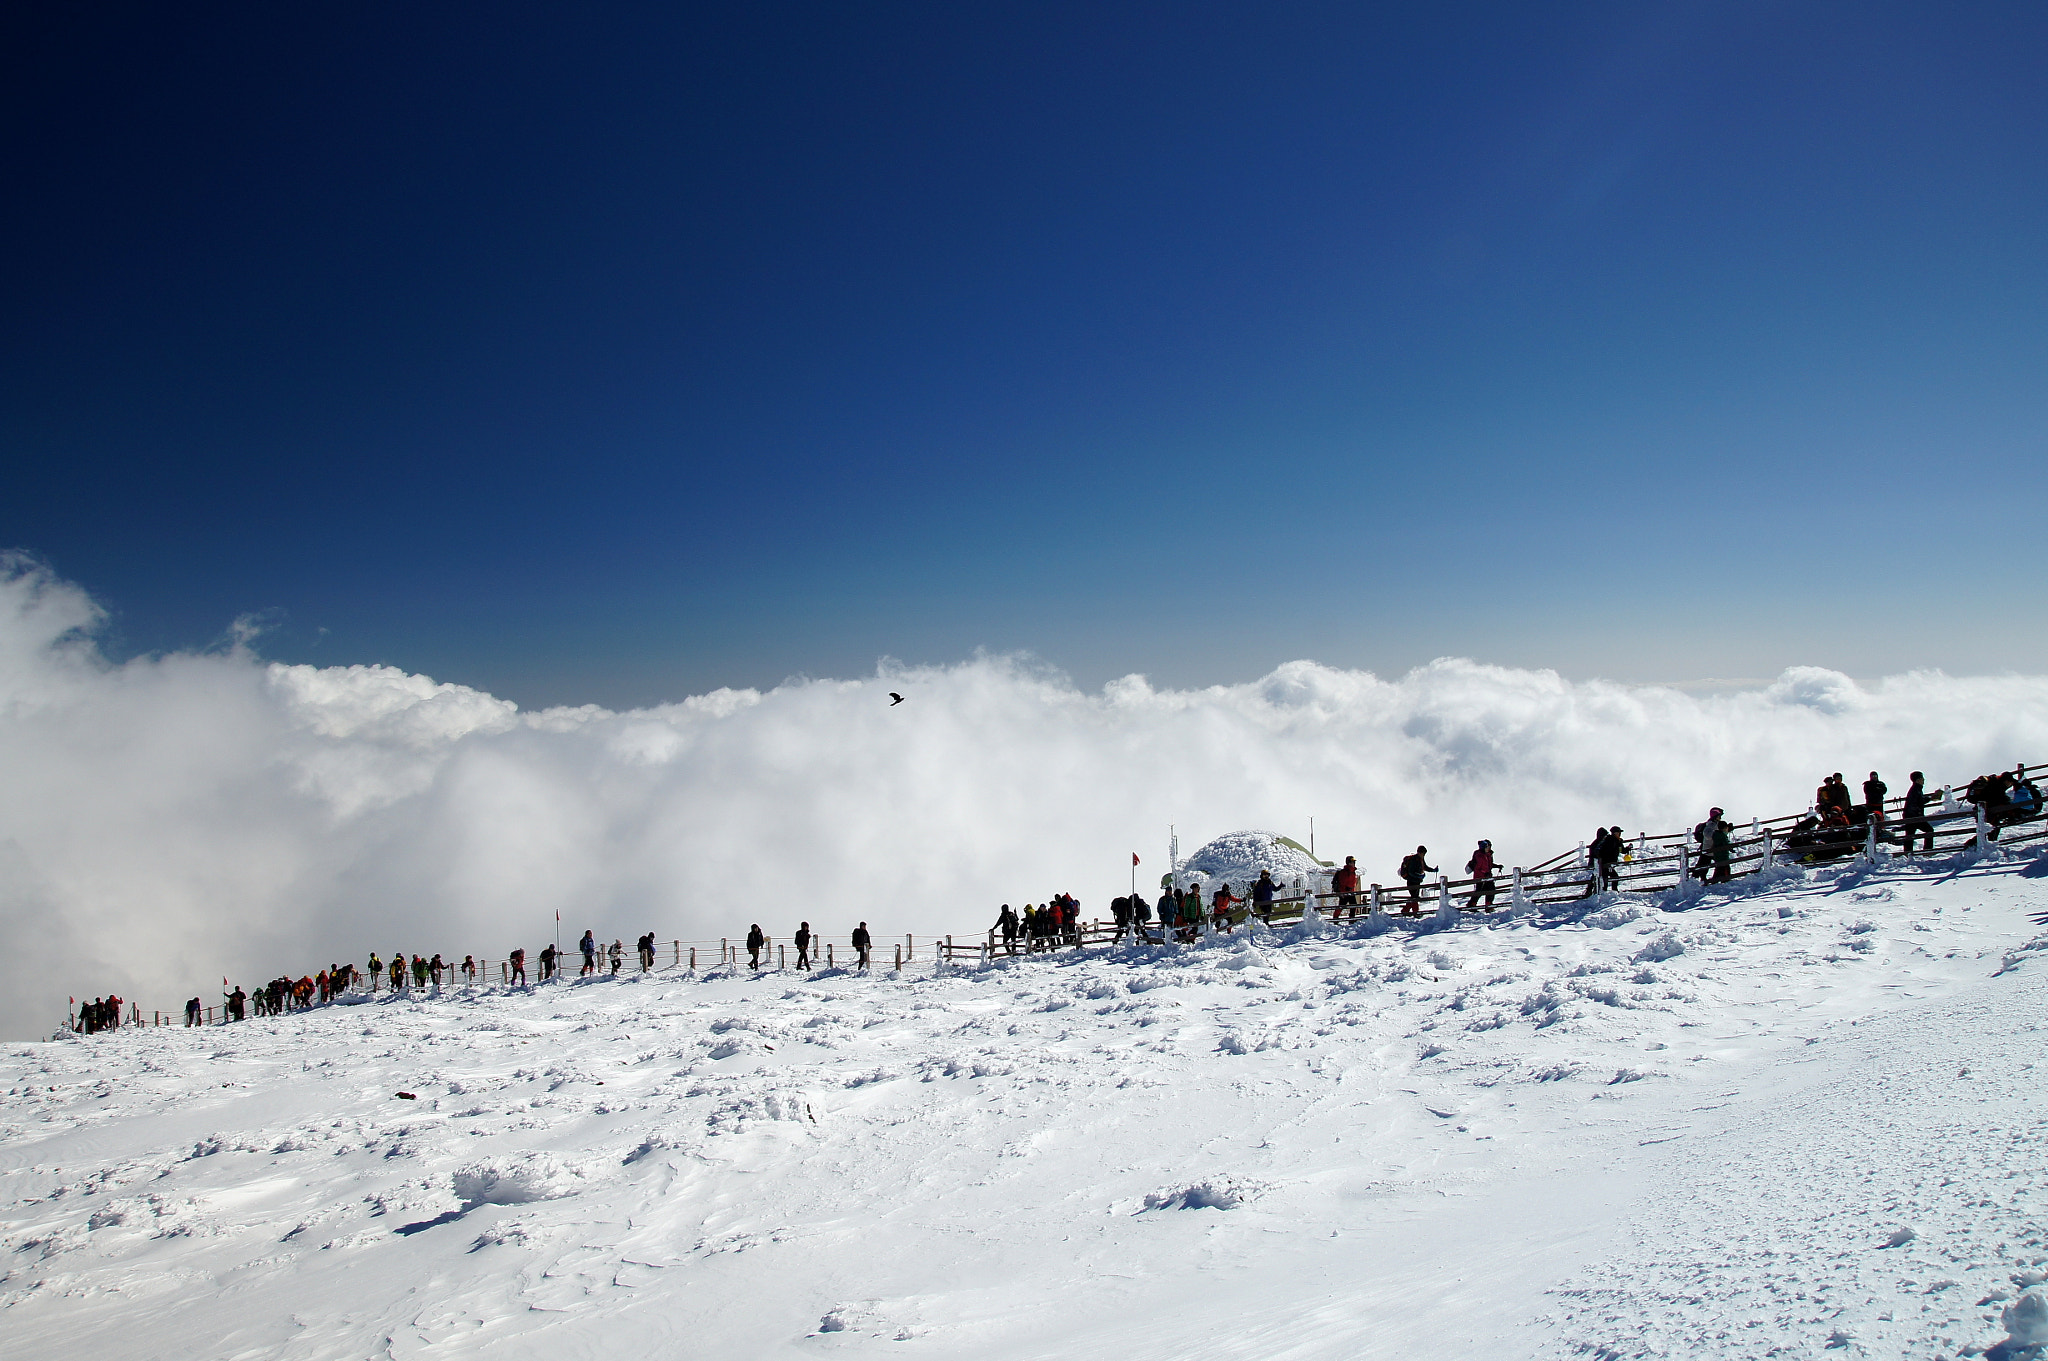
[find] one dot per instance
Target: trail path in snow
(1616, 1131)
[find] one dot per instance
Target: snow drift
(171, 819)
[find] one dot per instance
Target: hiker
(1480, 867)
(1607, 855)
(756, 942)
(193, 1012)
(1219, 907)
(1141, 918)
(1006, 922)
(469, 969)
(518, 967)
(1874, 791)
(588, 945)
(1262, 896)
(1120, 911)
(1712, 836)
(1344, 883)
(238, 1005)
(1413, 867)
(803, 944)
(2026, 796)
(548, 957)
(862, 943)
(1988, 792)
(419, 971)
(376, 971)
(398, 971)
(618, 955)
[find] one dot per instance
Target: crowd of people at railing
(1836, 825)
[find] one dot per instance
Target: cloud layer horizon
(171, 819)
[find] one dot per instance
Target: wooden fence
(1650, 864)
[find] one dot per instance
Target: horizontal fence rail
(1649, 864)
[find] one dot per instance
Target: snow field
(1615, 1131)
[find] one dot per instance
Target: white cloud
(170, 819)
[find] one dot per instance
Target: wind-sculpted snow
(174, 819)
(1726, 1123)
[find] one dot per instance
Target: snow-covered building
(1235, 858)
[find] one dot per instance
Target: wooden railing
(1650, 864)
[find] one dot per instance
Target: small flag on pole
(1134, 857)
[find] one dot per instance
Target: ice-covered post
(679, 950)
(1870, 842)
(1443, 897)
(1375, 899)
(1983, 828)
(1520, 899)
(1770, 850)
(1684, 861)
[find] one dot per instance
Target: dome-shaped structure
(1236, 858)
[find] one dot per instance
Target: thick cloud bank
(172, 819)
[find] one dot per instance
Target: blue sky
(616, 355)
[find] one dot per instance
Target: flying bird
(894, 699)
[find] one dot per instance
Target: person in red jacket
(1344, 883)
(1480, 867)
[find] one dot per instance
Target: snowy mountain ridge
(1795, 1115)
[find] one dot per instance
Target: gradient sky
(615, 355)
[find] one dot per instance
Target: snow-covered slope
(1618, 1131)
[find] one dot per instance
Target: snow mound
(1218, 1193)
(1235, 858)
(519, 1179)
(2026, 1319)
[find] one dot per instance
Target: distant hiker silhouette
(894, 699)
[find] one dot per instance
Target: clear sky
(614, 354)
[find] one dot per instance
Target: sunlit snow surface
(1612, 1132)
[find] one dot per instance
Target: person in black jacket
(1874, 791)
(803, 945)
(862, 943)
(1263, 893)
(1413, 867)
(755, 942)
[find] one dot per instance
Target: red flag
(1134, 857)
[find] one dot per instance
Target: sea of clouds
(172, 819)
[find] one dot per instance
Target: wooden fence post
(781, 959)
(828, 954)
(899, 959)
(693, 959)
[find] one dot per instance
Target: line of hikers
(1837, 825)
(101, 1013)
(806, 943)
